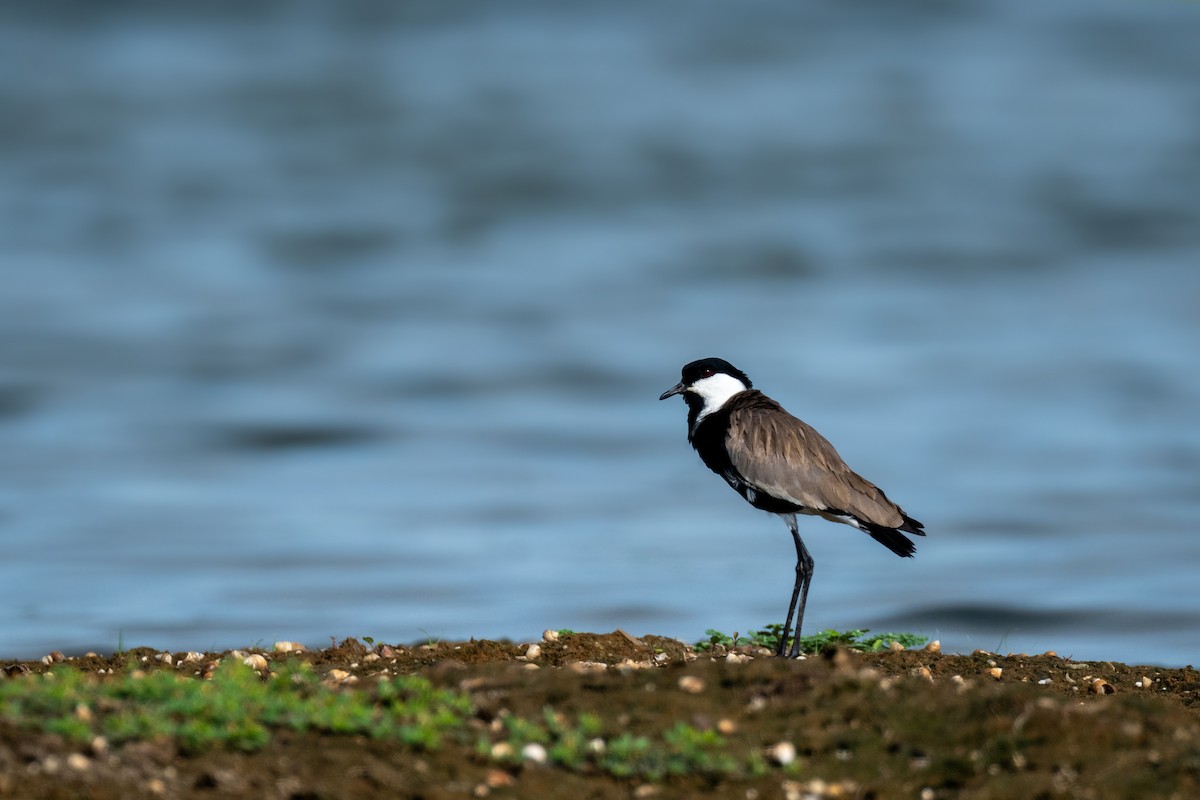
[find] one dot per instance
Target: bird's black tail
(893, 538)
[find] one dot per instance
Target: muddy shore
(893, 724)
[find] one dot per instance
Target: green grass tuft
(236, 709)
(854, 639)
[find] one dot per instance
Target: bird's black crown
(707, 367)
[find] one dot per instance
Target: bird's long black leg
(804, 571)
(787, 623)
(804, 566)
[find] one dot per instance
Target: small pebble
(1045, 681)
(782, 753)
(191, 656)
(78, 762)
(726, 726)
(371, 657)
(646, 790)
(996, 672)
(896, 647)
(934, 647)
(1101, 686)
(256, 662)
(549, 636)
(502, 750)
(496, 778)
(534, 752)
(1144, 683)
(1050, 654)
(691, 684)
(165, 658)
(737, 658)
(586, 666)
(83, 713)
(533, 651)
(923, 672)
(288, 647)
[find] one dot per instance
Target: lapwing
(780, 464)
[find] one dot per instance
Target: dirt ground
(908, 724)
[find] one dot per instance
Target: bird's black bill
(676, 389)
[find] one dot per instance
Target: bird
(781, 465)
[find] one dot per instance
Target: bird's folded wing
(786, 458)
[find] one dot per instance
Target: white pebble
(534, 752)
(782, 753)
(533, 651)
(549, 636)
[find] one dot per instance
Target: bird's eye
(706, 373)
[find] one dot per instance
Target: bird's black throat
(708, 438)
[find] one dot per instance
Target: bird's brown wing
(787, 458)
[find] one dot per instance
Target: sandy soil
(911, 724)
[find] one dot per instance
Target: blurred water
(329, 320)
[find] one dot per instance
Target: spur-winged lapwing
(780, 464)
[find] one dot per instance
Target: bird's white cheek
(716, 391)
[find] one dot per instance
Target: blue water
(350, 320)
